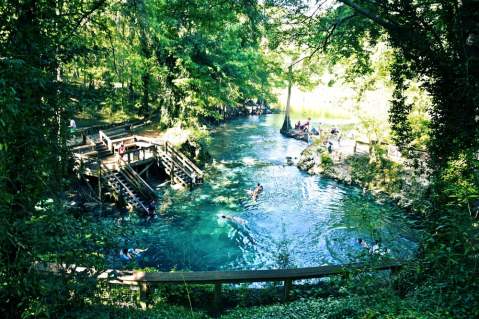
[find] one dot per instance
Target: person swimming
(375, 249)
(128, 254)
(255, 193)
(234, 219)
(363, 243)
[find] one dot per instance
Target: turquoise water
(298, 221)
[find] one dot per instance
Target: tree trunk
(287, 122)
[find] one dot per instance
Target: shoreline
(397, 187)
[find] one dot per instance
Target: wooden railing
(183, 162)
(105, 139)
(134, 178)
(149, 280)
(106, 173)
(141, 154)
(393, 152)
(84, 149)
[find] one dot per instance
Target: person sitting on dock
(125, 254)
(305, 126)
(298, 125)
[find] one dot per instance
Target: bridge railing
(149, 280)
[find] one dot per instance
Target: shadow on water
(298, 221)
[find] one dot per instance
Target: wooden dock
(100, 158)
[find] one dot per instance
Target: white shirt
(73, 124)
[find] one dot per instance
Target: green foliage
(383, 305)
(326, 160)
(460, 180)
(175, 59)
(184, 61)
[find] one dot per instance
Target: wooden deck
(100, 158)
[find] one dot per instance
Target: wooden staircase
(102, 150)
(127, 184)
(180, 168)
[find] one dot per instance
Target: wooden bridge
(147, 281)
(100, 158)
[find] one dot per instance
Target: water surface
(298, 221)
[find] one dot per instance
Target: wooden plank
(145, 169)
(211, 277)
(136, 278)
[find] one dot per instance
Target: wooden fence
(147, 281)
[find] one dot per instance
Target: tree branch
(371, 15)
(97, 5)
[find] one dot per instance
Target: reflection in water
(297, 221)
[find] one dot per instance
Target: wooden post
(217, 298)
(145, 295)
(288, 285)
(99, 178)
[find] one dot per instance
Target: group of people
(304, 126)
(375, 249)
(130, 254)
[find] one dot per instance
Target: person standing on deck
(121, 151)
(72, 126)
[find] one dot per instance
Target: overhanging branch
(371, 15)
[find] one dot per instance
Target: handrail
(141, 150)
(140, 181)
(122, 184)
(187, 163)
(234, 276)
(83, 148)
(148, 280)
(185, 160)
(104, 138)
(241, 276)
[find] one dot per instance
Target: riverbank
(375, 173)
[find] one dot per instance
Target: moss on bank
(379, 175)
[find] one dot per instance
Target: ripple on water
(299, 220)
